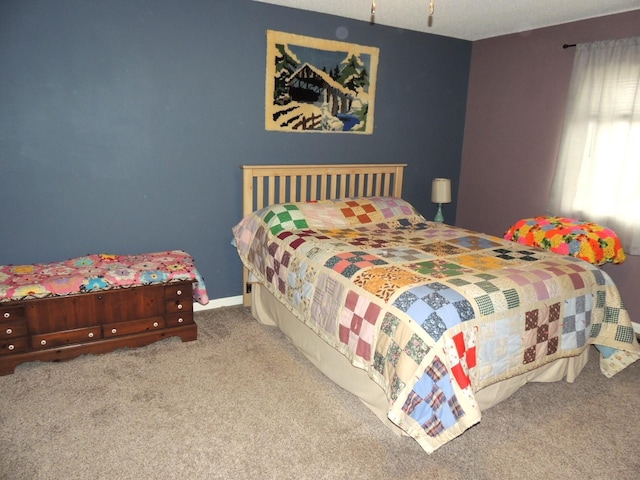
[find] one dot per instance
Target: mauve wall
(515, 110)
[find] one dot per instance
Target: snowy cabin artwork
(316, 85)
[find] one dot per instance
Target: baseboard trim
(218, 302)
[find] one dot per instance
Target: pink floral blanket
(99, 272)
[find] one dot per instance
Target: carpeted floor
(241, 402)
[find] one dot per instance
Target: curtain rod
(568, 45)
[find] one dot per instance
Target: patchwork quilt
(99, 272)
(432, 312)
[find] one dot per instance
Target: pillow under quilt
(333, 213)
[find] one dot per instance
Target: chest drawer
(134, 326)
(65, 337)
(12, 329)
(179, 306)
(14, 345)
(178, 319)
(10, 313)
(176, 291)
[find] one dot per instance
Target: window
(597, 176)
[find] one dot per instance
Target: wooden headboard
(264, 185)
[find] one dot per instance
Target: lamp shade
(441, 190)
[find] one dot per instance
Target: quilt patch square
(357, 212)
(473, 242)
(327, 302)
(385, 281)
(541, 290)
(515, 255)
(541, 333)
(398, 353)
(342, 233)
(258, 256)
(485, 305)
(461, 355)
(285, 217)
(499, 348)
(300, 284)
(481, 261)
(395, 254)
(611, 315)
(415, 242)
(411, 224)
(391, 207)
(349, 263)
(439, 268)
(435, 307)
(323, 215)
(576, 321)
(357, 324)
(432, 402)
(542, 274)
(624, 334)
(597, 274)
(295, 240)
(441, 249)
(519, 279)
(277, 267)
(487, 292)
(368, 242)
(389, 212)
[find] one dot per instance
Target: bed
(426, 323)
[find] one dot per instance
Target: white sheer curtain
(597, 176)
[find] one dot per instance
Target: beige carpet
(241, 403)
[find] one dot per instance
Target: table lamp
(440, 193)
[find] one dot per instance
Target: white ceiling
(466, 19)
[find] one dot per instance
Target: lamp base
(439, 218)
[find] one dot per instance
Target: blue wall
(123, 123)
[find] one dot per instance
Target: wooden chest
(60, 328)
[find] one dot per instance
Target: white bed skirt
(269, 311)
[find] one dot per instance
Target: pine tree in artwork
(286, 64)
(354, 75)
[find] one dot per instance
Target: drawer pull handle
(9, 331)
(6, 315)
(179, 292)
(179, 306)
(11, 347)
(155, 324)
(90, 334)
(114, 330)
(43, 342)
(180, 320)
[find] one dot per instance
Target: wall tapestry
(316, 85)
